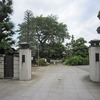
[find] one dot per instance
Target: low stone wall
(55, 61)
(1, 66)
(16, 66)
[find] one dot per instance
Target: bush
(42, 62)
(76, 60)
(86, 61)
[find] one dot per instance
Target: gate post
(94, 57)
(24, 62)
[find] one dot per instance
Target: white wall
(22, 71)
(1, 66)
(16, 67)
(94, 66)
(25, 67)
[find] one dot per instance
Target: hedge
(76, 60)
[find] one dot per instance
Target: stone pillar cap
(95, 43)
(24, 45)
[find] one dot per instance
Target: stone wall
(94, 64)
(15, 66)
(1, 66)
(55, 61)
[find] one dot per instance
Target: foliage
(79, 48)
(79, 53)
(42, 31)
(98, 15)
(55, 50)
(5, 47)
(76, 60)
(48, 29)
(6, 26)
(26, 32)
(42, 62)
(98, 29)
(69, 47)
(70, 44)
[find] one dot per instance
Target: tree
(98, 29)
(54, 50)
(79, 53)
(70, 44)
(69, 47)
(49, 30)
(98, 15)
(79, 48)
(6, 26)
(26, 33)
(43, 30)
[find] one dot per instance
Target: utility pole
(38, 53)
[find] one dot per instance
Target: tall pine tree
(6, 26)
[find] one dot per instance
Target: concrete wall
(25, 67)
(94, 65)
(16, 67)
(55, 61)
(21, 70)
(1, 66)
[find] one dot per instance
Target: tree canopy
(54, 50)
(79, 48)
(6, 26)
(42, 30)
(78, 53)
(26, 32)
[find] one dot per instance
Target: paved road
(84, 67)
(56, 82)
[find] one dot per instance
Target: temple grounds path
(54, 82)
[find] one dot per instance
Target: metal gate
(8, 66)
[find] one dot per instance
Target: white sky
(80, 16)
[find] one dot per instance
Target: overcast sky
(80, 16)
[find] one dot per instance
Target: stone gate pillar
(94, 57)
(24, 62)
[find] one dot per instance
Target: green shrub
(42, 62)
(86, 61)
(76, 60)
